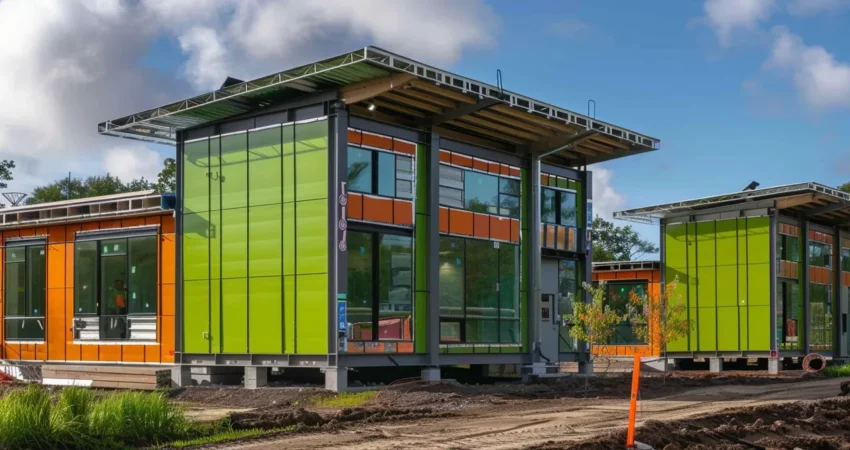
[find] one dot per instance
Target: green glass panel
(311, 231)
(727, 328)
(215, 245)
(743, 330)
(196, 182)
(311, 160)
(675, 246)
(289, 314)
(421, 246)
(508, 286)
(289, 238)
(759, 329)
(758, 240)
(264, 166)
(422, 178)
(759, 282)
(707, 329)
(264, 240)
(727, 243)
(563, 183)
(421, 322)
(234, 171)
(679, 295)
(234, 243)
(113, 292)
(727, 285)
(311, 315)
(85, 277)
(360, 300)
(360, 170)
(265, 315)
(451, 277)
(143, 283)
(215, 173)
(215, 316)
(196, 316)
(395, 285)
(234, 315)
(706, 287)
(288, 147)
(705, 244)
(37, 280)
(16, 286)
(196, 248)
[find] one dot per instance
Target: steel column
(804, 227)
(774, 266)
(178, 263)
(337, 225)
(587, 198)
(533, 301)
(433, 252)
(841, 301)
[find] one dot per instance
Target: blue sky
(737, 90)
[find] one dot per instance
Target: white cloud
(822, 82)
(131, 162)
(606, 200)
(569, 27)
(67, 65)
(812, 7)
(729, 16)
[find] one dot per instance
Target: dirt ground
(697, 411)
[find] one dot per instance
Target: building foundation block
(715, 365)
(431, 375)
(336, 379)
(774, 365)
(256, 377)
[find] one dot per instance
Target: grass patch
(836, 371)
(345, 400)
(223, 436)
(79, 418)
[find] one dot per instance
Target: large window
(379, 172)
(845, 259)
(479, 291)
(820, 316)
(380, 286)
(568, 283)
(789, 248)
(558, 207)
(788, 310)
(820, 254)
(24, 270)
(618, 295)
(479, 192)
(115, 288)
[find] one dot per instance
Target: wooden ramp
(107, 376)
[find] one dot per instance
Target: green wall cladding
(723, 269)
(420, 305)
(255, 254)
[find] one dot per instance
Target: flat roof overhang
(813, 201)
(378, 84)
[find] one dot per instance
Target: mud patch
(303, 419)
(822, 424)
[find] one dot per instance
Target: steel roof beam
(827, 209)
(462, 110)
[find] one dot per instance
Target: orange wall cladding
(653, 279)
(59, 342)
(845, 276)
(375, 208)
(788, 269)
(481, 225)
(820, 275)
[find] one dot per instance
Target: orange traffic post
(630, 437)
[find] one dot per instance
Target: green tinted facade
(254, 231)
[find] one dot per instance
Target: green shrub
(345, 400)
(137, 418)
(25, 419)
(837, 371)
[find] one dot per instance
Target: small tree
(6, 167)
(659, 318)
(594, 322)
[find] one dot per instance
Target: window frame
(27, 244)
(499, 193)
(609, 285)
(375, 166)
(376, 235)
(99, 238)
(558, 200)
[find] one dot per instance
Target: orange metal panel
(355, 206)
(493, 167)
(56, 324)
(41, 352)
(377, 209)
(108, 224)
(599, 276)
(72, 352)
(167, 339)
(445, 156)
(500, 228)
(355, 137)
(28, 352)
(481, 225)
(376, 140)
(404, 347)
(27, 232)
(444, 220)
(504, 169)
(561, 238)
(479, 164)
(515, 171)
(571, 239)
(168, 258)
(89, 352)
(69, 265)
(152, 353)
(55, 234)
(402, 212)
(404, 146)
(133, 222)
(70, 231)
(110, 352)
(461, 160)
(56, 266)
(13, 350)
(168, 225)
(89, 226)
(152, 220)
(544, 179)
(514, 230)
(845, 278)
(133, 353)
(460, 222)
(167, 299)
(550, 236)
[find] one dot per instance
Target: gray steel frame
(433, 257)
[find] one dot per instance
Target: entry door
(548, 314)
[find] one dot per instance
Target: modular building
(622, 279)
(765, 272)
(369, 210)
(89, 280)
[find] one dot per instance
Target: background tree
(167, 178)
(593, 322)
(6, 167)
(70, 188)
(845, 187)
(614, 243)
(659, 318)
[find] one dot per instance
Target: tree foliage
(614, 243)
(659, 318)
(167, 178)
(845, 187)
(6, 167)
(594, 322)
